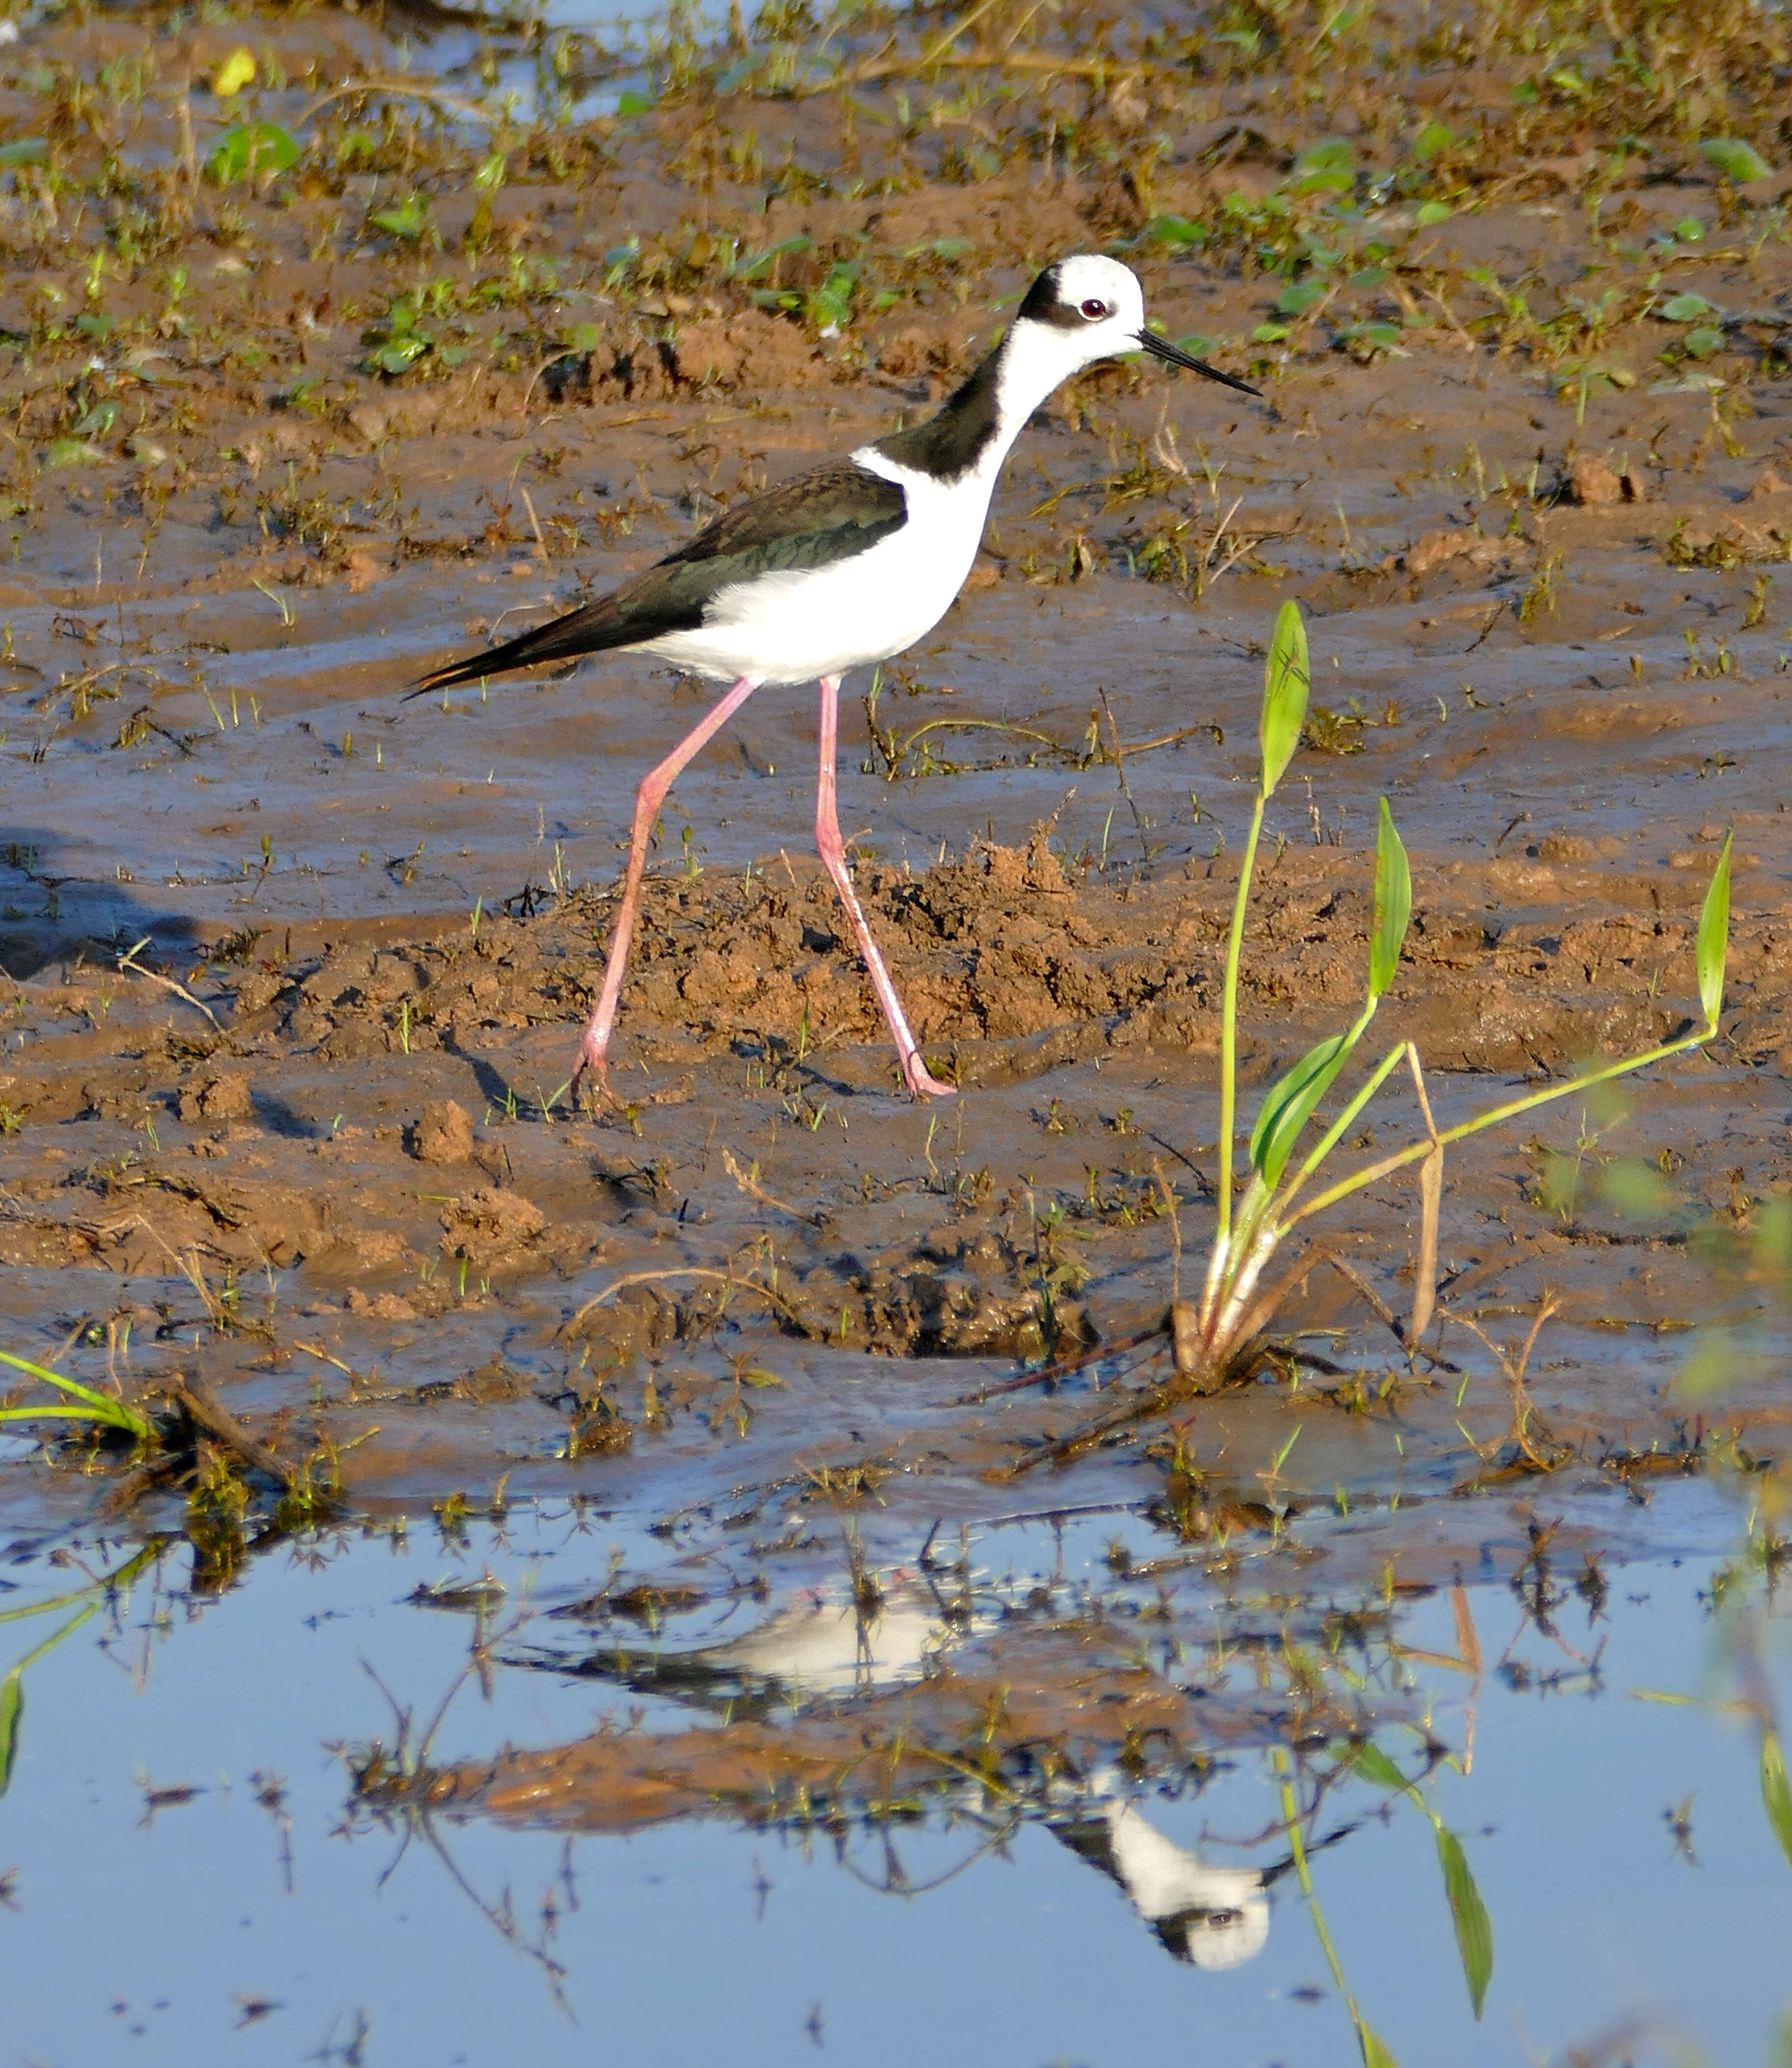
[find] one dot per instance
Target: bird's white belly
(798, 626)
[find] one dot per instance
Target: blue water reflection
(1618, 1840)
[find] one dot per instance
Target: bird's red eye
(1095, 309)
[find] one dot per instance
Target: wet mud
(295, 970)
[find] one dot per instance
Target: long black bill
(1173, 355)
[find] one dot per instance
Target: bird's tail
(589, 630)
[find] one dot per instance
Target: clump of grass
(1277, 1198)
(89, 1406)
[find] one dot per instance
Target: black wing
(831, 513)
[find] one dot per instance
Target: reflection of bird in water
(845, 565)
(1215, 1917)
(824, 1640)
(880, 1631)
(822, 1644)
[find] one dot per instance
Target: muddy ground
(295, 969)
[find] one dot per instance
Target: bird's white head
(1086, 308)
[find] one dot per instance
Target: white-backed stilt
(845, 565)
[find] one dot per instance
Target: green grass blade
(1714, 937)
(1393, 903)
(1289, 1104)
(1474, 1928)
(1375, 2053)
(1286, 678)
(1375, 1765)
(1385, 1167)
(63, 1414)
(12, 1708)
(1776, 1791)
(98, 1406)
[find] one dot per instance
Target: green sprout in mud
(1233, 1308)
(90, 1407)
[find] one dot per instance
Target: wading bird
(844, 566)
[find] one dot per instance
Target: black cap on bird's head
(1098, 305)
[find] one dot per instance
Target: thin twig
(535, 522)
(1049, 1374)
(1120, 770)
(132, 967)
(208, 1412)
(726, 1278)
(749, 1183)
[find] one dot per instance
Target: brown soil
(309, 1141)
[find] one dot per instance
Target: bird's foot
(921, 1081)
(591, 1083)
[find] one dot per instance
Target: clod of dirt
(1438, 549)
(489, 1223)
(1593, 481)
(1575, 847)
(216, 1099)
(386, 1307)
(442, 1133)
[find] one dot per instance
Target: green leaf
(399, 355)
(1295, 300)
(1474, 1928)
(1703, 341)
(409, 220)
(1776, 1791)
(12, 1708)
(631, 103)
(1375, 2053)
(1736, 160)
(1713, 938)
(1174, 230)
(24, 151)
(1687, 308)
(1290, 1103)
(1432, 141)
(762, 262)
(491, 175)
(1430, 212)
(250, 149)
(71, 452)
(1328, 166)
(1393, 903)
(1285, 680)
(1375, 1765)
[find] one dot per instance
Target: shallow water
(786, 1730)
(981, 1928)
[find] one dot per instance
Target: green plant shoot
(94, 1406)
(1713, 939)
(1232, 1311)
(1286, 677)
(1393, 905)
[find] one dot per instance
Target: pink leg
(832, 850)
(648, 800)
